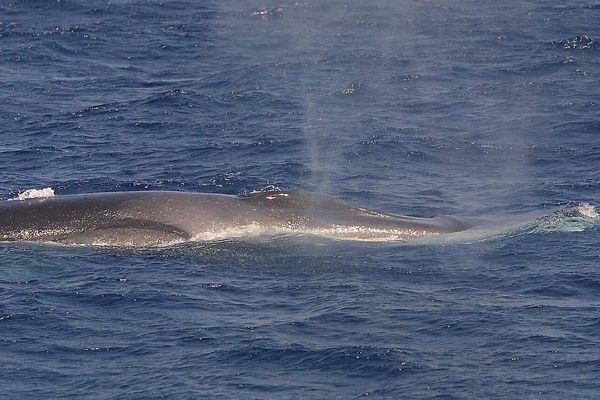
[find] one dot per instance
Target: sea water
(483, 110)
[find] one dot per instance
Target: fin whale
(161, 218)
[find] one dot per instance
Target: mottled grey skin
(161, 218)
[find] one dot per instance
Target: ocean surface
(477, 109)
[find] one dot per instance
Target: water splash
(575, 218)
(587, 210)
(35, 194)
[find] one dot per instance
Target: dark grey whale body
(162, 218)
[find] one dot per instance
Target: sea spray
(35, 194)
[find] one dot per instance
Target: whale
(162, 218)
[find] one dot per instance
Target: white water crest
(587, 210)
(35, 194)
(577, 218)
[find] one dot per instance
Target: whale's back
(102, 218)
(321, 211)
(161, 218)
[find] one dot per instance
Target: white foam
(253, 229)
(35, 194)
(337, 232)
(270, 188)
(588, 211)
(365, 234)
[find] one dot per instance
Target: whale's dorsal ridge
(291, 200)
(268, 195)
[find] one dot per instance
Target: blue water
(475, 108)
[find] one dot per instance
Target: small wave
(264, 189)
(35, 194)
(267, 12)
(576, 218)
(352, 89)
(580, 42)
